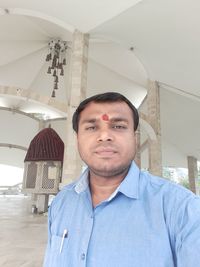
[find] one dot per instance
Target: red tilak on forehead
(105, 117)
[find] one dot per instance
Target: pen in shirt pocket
(65, 233)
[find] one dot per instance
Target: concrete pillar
(42, 125)
(193, 174)
(153, 104)
(138, 152)
(42, 203)
(72, 164)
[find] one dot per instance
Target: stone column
(153, 104)
(42, 125)
(138, 152)
(42, 203)
(193, 174)
(72, 164)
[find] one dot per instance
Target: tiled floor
(22, 235)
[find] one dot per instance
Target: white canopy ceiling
(130, 41)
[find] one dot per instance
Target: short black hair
(108, 97)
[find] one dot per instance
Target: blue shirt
(147, 222)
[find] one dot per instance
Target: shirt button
(83, 256)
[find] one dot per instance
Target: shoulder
(176, 199)
(159, 184)
(69, 193)
(180, 205)
(64, 196)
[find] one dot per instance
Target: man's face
(106, 138)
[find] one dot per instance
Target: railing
(11, 189)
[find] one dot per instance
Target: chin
(109, 171)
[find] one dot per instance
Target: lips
(105, 151)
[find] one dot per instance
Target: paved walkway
(23, 235)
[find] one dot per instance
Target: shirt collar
(129, 186)
(82, 183)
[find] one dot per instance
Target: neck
(102, 187)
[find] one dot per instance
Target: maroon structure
(43, 167)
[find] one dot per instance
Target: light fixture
(57, 59)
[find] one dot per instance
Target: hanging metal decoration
(57, 60)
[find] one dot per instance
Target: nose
(104, 135)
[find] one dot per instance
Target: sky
(10, 175)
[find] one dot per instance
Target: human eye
(90, 128)
(119, 127)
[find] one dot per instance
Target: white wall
(61, 128)
(15, 129)
(101, 79)
(12, 157)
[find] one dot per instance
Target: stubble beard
(109, 172)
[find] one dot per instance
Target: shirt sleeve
(187, 236)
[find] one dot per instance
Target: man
(115, 215)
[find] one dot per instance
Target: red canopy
(46, 146)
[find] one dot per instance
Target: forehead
(94, 109)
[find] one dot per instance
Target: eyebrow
(112, 120)
(118, 119)
(88, 121)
